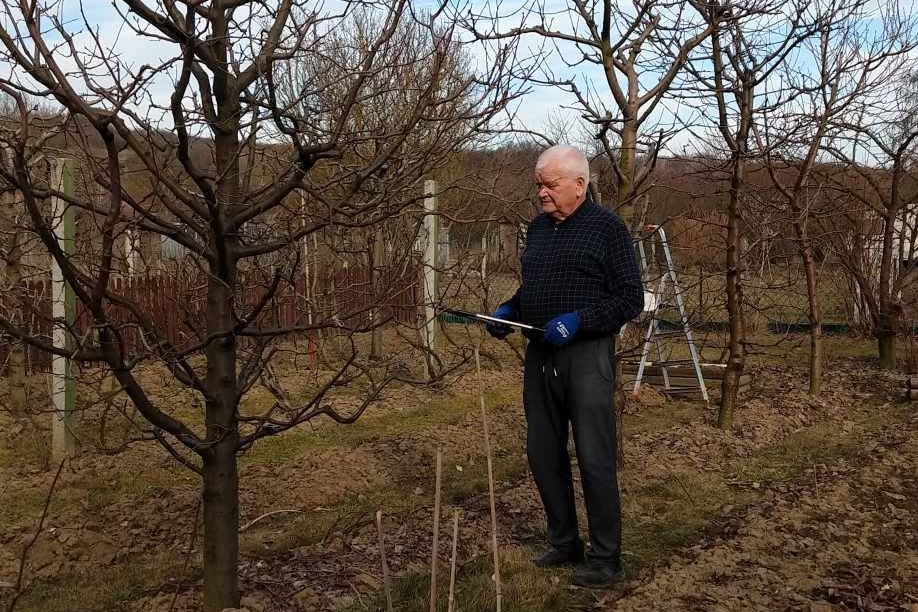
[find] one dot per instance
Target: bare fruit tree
(213, 149)
(850, 61)
(618, 65)
(736, 66)
(875, 184)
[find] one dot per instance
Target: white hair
(570, 160)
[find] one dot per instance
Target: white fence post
(429, 269)
(63, 312)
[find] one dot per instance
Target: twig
(452, 562)
(194, 534)
(25, 551)
(266, 515)
(349, 523)
(385, 566)
(487, 440)
(357, 593)
(436, 535)
(683, 487)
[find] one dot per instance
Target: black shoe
(557, 557)
(595, 575)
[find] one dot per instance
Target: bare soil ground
(806, 505)
(845, 538)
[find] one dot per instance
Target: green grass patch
(324, 525)
(522, 588)
(314, 527)
(473, 479)
(29, 447)
(358, 510)
(447, 410)
(93, 492)
(22, 506)
(101, 589)
(822, 443)
(669, 513)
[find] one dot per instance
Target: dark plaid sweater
(586, 264)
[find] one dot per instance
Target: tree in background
(222, 166)
(876, 184)
(851, 61)
(375, 195)
(735, 66)
(637, 53)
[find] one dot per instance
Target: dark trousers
(574, 384)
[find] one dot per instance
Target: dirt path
(845, 539)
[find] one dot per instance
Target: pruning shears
(489, 319)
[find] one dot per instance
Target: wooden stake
(487, 439)
(436, 536)
(385, 566)
(452, 562)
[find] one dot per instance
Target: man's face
(559, 194)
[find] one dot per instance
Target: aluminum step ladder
(666, 292)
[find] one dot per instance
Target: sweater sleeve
(623, 281)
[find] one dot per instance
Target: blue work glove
(499, 330)
(562, 329)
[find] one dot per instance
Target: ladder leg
(664, 370)
(661, 301)
(671, 271)
(645, 350)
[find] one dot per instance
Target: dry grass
(663, 513)
(660, 517)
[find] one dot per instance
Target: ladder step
(671, 362)
(669, 333)
(709, 371)
(680, 379)
(674, 381)
(688, 390)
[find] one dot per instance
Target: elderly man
(581, 283)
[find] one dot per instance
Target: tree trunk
(886, 346)
(886, 321)
(817, 358)
(376, 254)
(626, 164)
(815, 312)
(736, 359)
(221, 526)
(221, 479)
